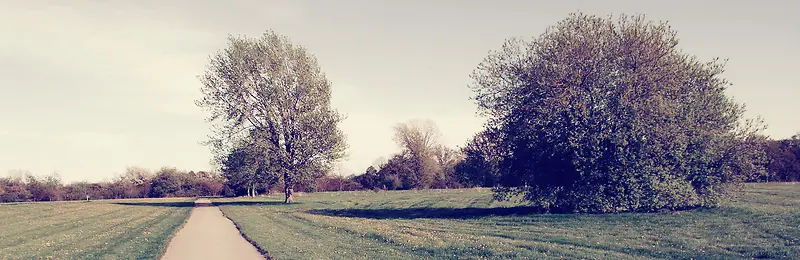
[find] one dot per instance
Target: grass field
(763, 222)
(114, 229)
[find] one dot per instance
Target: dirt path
(209, 235)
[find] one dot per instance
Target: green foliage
(605, 115)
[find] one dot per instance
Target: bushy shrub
(608, 115)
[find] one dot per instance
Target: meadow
(107, 229)
(763, 221)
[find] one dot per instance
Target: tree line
(134, 183)
(473, 165)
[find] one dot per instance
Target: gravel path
(209, 235)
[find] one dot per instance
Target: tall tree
(604, 115)
(273, 92)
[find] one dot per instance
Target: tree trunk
(289, 196)
(254, 190)
(288, 182)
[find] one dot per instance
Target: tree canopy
(608, 114)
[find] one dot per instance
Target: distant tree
(482, 157)
(336, 183)
(272, 91)
(370, 179)
(247, 167)
(77, 191)
(168, 182)
(399, 173)
(446, 160)
(47, 188)
(14, 190)
(116, 189)
(419, 140)
(211, 183)
(136, 182)
(99, 191)
(783, 160)
(608, 115)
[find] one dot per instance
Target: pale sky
(88, 88)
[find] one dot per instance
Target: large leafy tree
(608, 114)
(273, 92)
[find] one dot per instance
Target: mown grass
(762, 222)
(112, 229)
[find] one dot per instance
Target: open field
(110, 229)
(764, 222)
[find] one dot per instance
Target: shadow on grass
(254, 203)
(192, 204)
(412, 213)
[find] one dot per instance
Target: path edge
(262, 251)
(174, 234)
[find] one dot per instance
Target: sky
(88, 88)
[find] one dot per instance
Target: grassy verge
(112, 229)
(763, 222)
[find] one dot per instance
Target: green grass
(113, 229)
(762, 222)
